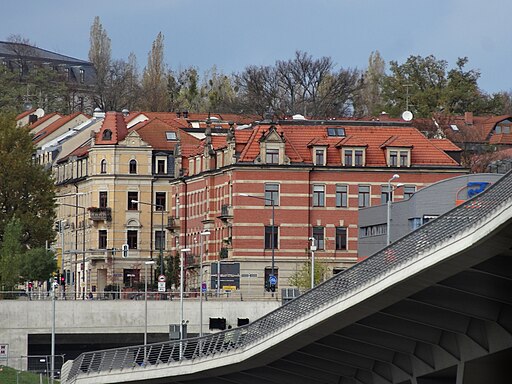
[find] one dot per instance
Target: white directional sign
(161, 286)
(4, 351)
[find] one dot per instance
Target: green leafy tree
(27, 190)
(11, 251)
(302, 277)
(172, 270)
(37, 264)
(425, 86)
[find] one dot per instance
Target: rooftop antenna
(407, 115)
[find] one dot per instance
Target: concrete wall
(22, 317)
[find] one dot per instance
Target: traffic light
(272, 287)
(57, 226)
(125, 251)
(62, 279)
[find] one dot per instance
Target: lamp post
(204, 233)
(390, 197)
(161, 245)
(146, 263)
(272, 279)
(313, 249)
(183, 252)
(76, 206)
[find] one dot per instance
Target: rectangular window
(319, 157)
(318, 234)
(103, 199)
(341, 196)
(393, 158)
(160, 198)
(271, 194)
(131, 197)
(160, 167)
(409, 191)
(268, 237)
(102, 239)
(384, 194)
(272, 156)
(348, 158)
(170, 136)
(159, 240)
(364, 196)
(318, 195)
(358, 158)
(404, 158)
(341, 238)
(82, 76)
(131, 239)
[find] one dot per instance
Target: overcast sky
(232, 34)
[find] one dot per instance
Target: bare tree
(303, 85)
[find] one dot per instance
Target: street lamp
(182, 323)
(76, 206)
(313, 249)
(161, 245)
(204, 233)
(272, 279)
(390, 197)
(146, 263)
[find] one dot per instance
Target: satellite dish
(39, 112)
(407, 115)
(27, 106)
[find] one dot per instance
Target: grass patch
(13, 376)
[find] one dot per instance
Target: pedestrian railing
(410, 248)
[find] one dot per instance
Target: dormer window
(399, 157)
(107, 134)
(354, 157)
(319, 155)
(161, 165)
(272, 156)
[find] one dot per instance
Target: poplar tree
(154, 78)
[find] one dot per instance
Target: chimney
(185, 114)
(32, 119)
(178, 114)
(468, 118)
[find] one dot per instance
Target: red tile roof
(54, 126)
(445, 145)
(41, 120)
(24, 114)
(153, 132)
(114, 121)
(299, 136)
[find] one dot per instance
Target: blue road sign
(272, 280)
(203, 287)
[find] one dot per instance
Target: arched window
(103, 167)
(133, 166)
(107, 134)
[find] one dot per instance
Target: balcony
(226, 213)
(100, 214)
(224, 253)
(173, 223)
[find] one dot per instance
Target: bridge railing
(409, 248)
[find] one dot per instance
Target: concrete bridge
(433, 307)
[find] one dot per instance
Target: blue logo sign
(272, 280)
(475, 187)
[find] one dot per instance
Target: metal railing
(410, 248)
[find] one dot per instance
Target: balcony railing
(100, 214)
(173, 223)
(226, 212)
